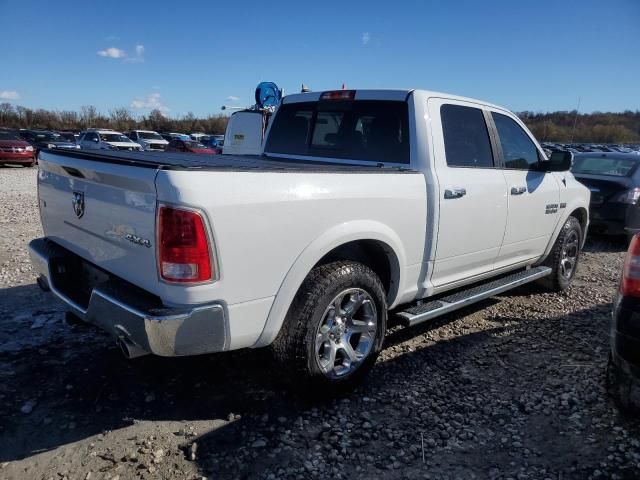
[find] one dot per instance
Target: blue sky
(195, 56)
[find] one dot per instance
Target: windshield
(49, 137)
(114, 137)
(376, 131)
(8, 136)
(192, 144)
(69, 137)
(150, 135)
(615, 167)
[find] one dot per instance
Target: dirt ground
(509, 388)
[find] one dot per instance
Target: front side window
(466, 138)
(371, 130)
(518, 150)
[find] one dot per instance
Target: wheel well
(581, 215)
(376, 255)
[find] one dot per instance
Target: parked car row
(22, 146)
(592, 147)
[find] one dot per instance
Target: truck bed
(190, 161)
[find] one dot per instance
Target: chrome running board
(435, 308)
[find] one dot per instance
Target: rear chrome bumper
(152, 327)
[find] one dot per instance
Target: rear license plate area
(75, 278)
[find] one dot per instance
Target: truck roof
(384, 94)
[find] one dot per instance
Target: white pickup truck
(365, 205)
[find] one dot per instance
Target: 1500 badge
(138, 240)
(551, 208)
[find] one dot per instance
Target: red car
(15, 151)
(191, 146)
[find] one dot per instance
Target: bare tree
(121, 118)
(88, 116)
(6, 113)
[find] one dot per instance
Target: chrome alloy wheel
(346, 333)
(569, 256)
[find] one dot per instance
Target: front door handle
(518, 190)
(454, 192)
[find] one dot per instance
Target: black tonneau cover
(191, 161)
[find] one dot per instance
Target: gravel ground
(510, 388)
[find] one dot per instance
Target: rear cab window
(466, 137)
(369, 130)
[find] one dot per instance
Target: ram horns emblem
(78, 204)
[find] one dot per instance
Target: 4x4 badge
(78, 204)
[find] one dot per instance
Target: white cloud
(365, 38)
(9, 95)
(232, 98)
(150, 102)
(112, 52)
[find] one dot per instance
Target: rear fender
(311, 255)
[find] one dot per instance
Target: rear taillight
(630, 196)
(630, 284)
(183, 246)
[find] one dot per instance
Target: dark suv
(41, 139)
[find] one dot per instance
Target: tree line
(564, 127)
(120, 119)
(574, 127)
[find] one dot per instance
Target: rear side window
(517, 148)
(466, 138)
(376, 131)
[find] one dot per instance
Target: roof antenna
(305, 89)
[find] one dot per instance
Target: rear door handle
(454, 192)
(518, 190)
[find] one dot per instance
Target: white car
(364, 204)
(148, 139)
(106, 139)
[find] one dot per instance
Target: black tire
(295, 349)
(560, 279)
(623, 388)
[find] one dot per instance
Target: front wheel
(564, 256)
(334, 329)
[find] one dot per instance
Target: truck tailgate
(103, 212)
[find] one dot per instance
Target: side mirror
(96, 140)
(558, 162)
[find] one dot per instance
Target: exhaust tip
(129, 349)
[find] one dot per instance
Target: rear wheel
(334, 329)
(563, 258)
